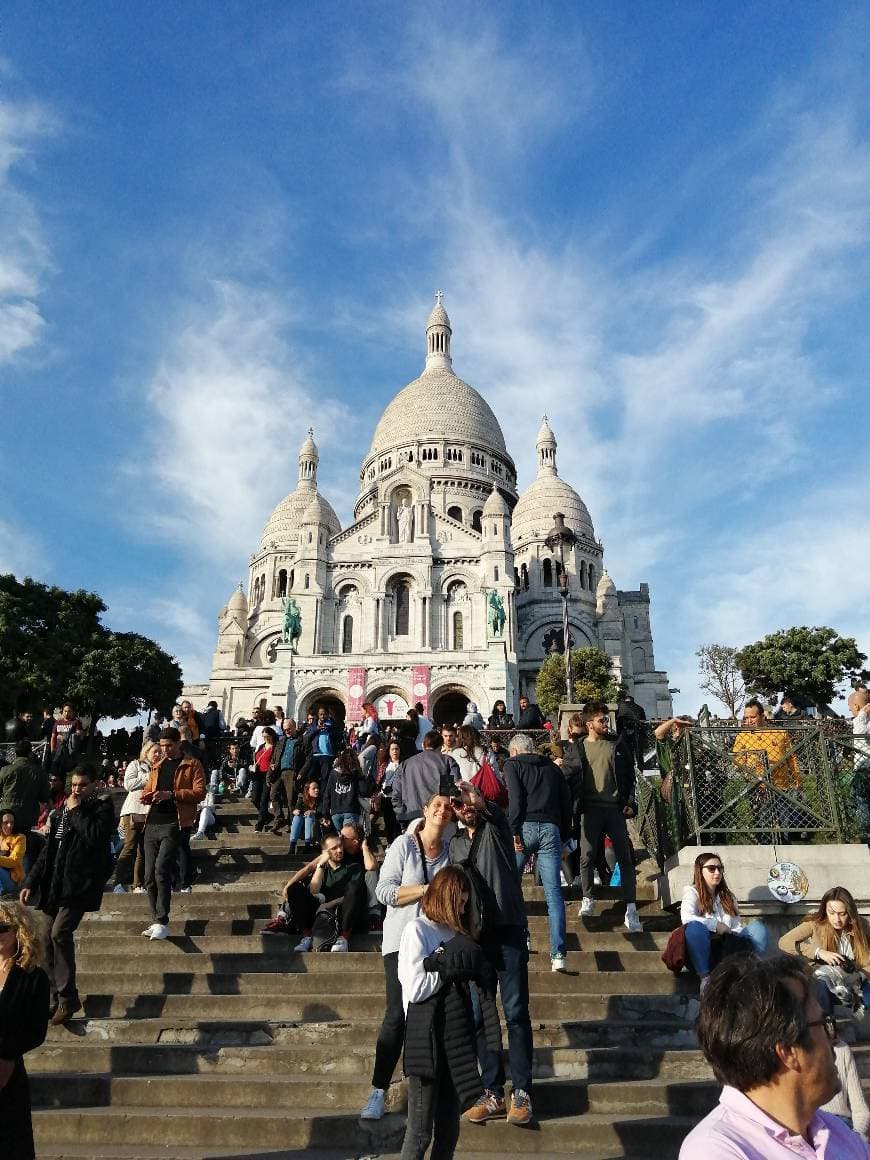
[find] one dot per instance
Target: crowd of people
(423, 834)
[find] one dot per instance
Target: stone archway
(331, 699)
(448, 706)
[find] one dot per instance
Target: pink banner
(356, 692)
(420, 686)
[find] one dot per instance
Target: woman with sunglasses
(24, 998)
(712, 922)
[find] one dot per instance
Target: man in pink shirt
(763, 1032)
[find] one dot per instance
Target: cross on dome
(438, 296)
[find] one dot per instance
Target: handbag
(674, 955)
(489, 785)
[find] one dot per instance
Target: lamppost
(556, 541)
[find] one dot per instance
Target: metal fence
(782, 784)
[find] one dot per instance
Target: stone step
(356, 1058)
(335, 986)
(179, 1127)
(657, 1031)
(324, 1007)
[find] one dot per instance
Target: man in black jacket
(530, 716)
(71, 872)
(486, 843)
(23, 787)
(539, 815)
(606, 800)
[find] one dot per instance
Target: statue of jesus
(405, 520)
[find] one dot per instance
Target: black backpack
(479, 912)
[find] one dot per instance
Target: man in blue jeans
(486, 843)
(539, 816)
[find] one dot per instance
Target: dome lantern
(309, 457)
(438, 332)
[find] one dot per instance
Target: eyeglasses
(829, 1024)
(5, 927)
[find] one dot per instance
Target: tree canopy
(591, 670)
(53, 647)
(809, 662)
(720, 675)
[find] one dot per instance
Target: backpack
(325, 928)
(479, 914)
(489, 785)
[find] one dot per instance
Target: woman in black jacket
(24, 997)
(437, 961)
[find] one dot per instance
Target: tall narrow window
(403, 608)
(477, 520)
(547, 570)
(458, 633)
(592, 577)
(524, 573)
(307, 580)
(347, 635)
(282, 582)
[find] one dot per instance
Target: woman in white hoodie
(133, 816)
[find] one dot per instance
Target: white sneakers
(632, 922)
(558, 963)
(304, 944)
(339, 945)
(587, 907)
(119, 889)
(374, 1109)
(157, 930)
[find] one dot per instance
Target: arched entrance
(450, 707)
(391, 703)
(331, 701)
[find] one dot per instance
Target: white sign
(391, 707)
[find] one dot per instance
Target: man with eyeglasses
(763, 1032)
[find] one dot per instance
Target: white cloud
(230, 407)
(24, 255)
(19, 551)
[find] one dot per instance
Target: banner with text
(356, 692)
(420, 686)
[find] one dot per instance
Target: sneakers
(487, 1107)
(149, 930)
(558, 963)
(65, 1011)
(339, 945)
(374, 1109)
(185, 890)
(520, 1111)
(275, 926)
(159, 930)
(305, 944)
(139, 890)
(587, 907)
(632, 923)
(119, 889)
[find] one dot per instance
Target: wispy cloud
(19, 552)
(24, 254)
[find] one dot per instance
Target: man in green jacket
(24, 787)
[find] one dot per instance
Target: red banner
(420, 686)
(356, 692)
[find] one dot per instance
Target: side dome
(290, 514)
(496, 504)
(539, 503)
(238, 601)
(438, 405)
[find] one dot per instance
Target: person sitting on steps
(334, 884)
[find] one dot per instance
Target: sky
(222, 223)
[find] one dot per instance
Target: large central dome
(438, 405)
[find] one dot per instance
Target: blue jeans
(7, 886)
(509, 954)
(700, 944)
(339, 820)
(544, 839)
(302, 822)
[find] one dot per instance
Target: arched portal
(449, 706)
(331, 700)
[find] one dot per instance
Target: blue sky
(221, 223)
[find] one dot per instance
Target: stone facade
(404, 604)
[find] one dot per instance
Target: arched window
(347, 635)
(592, 577)
(495, 572)
(458, 631)
(307, 581)
(257, 590)
(524, 573)
(477, 520)
(582, 573)
(282, 582)
(455, 513)
(403, 608)
(292, 576)
(516, 578)
(547, 571)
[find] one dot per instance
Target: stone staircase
(222, 1042)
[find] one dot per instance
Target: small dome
(438, 317)
(309, 447)
(289, 515)
(545, 434)
(496, 504)
(238, 601)
(318, 512)
(605, 586)
(539, 503)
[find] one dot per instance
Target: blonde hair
(146, 749)
(30, 927)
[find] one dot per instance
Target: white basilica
(444, 588)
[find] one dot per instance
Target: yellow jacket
(12, 855)
(751, 744)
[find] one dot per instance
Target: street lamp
(556, 541)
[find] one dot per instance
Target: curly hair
(30, 926)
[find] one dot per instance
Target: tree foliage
(592, 673)
(720, 675)
(53, 647)
(809, 662)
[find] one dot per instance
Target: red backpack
(489, 785)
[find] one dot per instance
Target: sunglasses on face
(713, 869)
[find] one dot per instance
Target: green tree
(124, 675)
(44, 634)
(809, 662)
(720, 675)
(593, 679)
